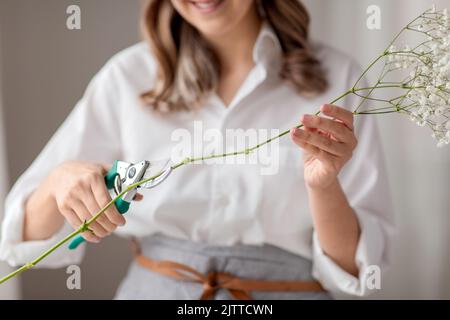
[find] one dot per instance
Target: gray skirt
(244, 261)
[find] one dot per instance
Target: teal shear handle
(121, 205)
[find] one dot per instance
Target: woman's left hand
(328, 145)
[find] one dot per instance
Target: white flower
(439, 111)
(427, 64)
(442, 143)
(423, 100)
(444, 140)
(421, 123)
(392, 48)
(430, 89)
(447, 125)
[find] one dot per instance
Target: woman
(309, 231)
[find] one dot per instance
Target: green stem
(377, 112)
(85, 226)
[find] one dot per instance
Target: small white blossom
(447, 125)
(428, 64)
(433, 9)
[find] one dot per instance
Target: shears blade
(160, 170)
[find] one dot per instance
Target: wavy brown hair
(189, 69)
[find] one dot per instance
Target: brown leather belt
(239, 289)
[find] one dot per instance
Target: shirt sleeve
(90, 133)
(364, 181)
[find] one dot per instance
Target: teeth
(206, 5)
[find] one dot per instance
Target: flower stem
(87, 223)
(354, 90)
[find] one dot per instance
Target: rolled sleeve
(369, 255)
(364, 180)
(90, 133)
(17, 252)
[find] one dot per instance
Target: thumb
(105, 167)
(138, 197)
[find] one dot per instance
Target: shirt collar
(267, 56)
(267, 50)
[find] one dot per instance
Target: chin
(213, 17)
(215, 28)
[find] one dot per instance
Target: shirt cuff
(17, 252)
(368, 258)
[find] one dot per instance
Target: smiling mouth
(206, 6)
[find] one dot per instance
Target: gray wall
(46, 68)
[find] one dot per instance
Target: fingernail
(306, 118)
(298, 132)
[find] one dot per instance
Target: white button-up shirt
(222, 203)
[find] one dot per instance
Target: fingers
(102, 197)
(84, 215)
(83, 194)
(105, 167)
(311, 149)
(76, 222)
(337, 129)
(93, 207)
(335, 136)
(338, 113)
(320, 141)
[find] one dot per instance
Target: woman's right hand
(79, 191)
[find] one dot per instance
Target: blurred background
(45, 69)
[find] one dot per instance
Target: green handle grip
(110, 177)
(121, 205)
(76, 242)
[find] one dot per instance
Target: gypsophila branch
(425, 98)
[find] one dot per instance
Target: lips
(206, 6)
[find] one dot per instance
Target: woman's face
(214, 17)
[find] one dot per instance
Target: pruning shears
(123, 175)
